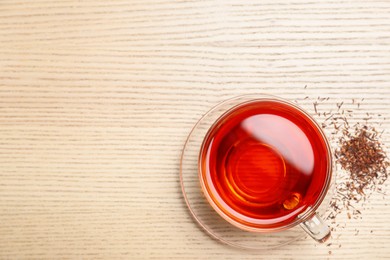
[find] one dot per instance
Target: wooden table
(98, 97)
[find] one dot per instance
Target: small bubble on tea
(292, 201)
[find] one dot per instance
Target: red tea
(263, 163)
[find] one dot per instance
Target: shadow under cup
(265, 166)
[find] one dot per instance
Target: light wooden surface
(97, 98)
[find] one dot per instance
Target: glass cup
(308, 218)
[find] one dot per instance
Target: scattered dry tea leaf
(362, 155)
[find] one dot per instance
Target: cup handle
(316, 228)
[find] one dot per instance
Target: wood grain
(97, 98)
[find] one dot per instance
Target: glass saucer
(201, 210)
